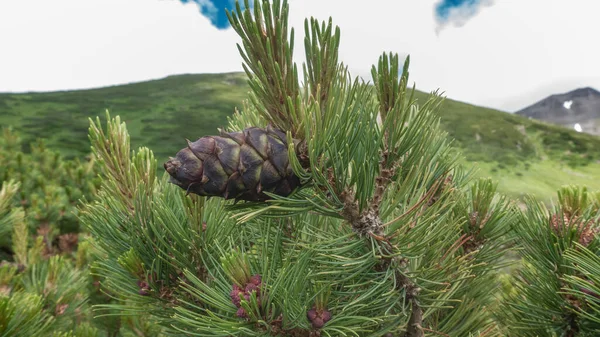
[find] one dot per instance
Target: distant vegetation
(49, 189)
(525, 156)
(494, 136)
(159, 114)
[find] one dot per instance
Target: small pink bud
(241, 313)
(326, 315)
(318, 323)
(318, 318)
(251, 287)
(235, 297)
(256, 280)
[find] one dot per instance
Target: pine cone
(235, 165)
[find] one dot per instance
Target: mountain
(523, 155)
(578, 109)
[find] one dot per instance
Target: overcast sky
(504, 54)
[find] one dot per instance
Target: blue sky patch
(214, 10)
(445, 9)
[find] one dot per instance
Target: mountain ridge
(578, 109)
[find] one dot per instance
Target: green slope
(159, 114)
(524, 155)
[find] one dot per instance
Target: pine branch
(546, 237)
(585, 284)
(112, 152)
(348, 189)
(379, 224)
(267, 53)
(20, 238)
(8, 191)
(321, 46)
(416, 320)
(12, 219)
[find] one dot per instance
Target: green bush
(50, 187)
(52, 293)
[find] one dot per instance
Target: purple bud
(235, 297)
(326, 315)
(318, 323)
(144, 287)
(256, 280)
(251, 287)
(241, 313)
(318, 318)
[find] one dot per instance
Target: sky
(505, 54)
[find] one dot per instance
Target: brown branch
(384, 178)
(368, 223)
(302, 153)
(416, 320)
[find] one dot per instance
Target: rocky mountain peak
(578, 109)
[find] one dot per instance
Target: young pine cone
(235, 165)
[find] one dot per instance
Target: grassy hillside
(524, 155)
(159, 114)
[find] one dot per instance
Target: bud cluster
(587, 230)
(243, 292)
(144, 287)
(318, 318)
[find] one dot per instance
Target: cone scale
(235, 165)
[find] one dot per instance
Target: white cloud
(459, 16)
(508, 56)
(65, 44)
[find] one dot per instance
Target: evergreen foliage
(382, 237)
(382, 234)
(46, 288)
(38, 295)
(556, 291)
(50, 189)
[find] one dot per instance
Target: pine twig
(416, 320)
(369, 224)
